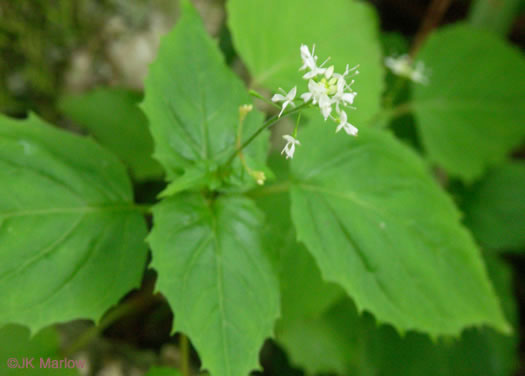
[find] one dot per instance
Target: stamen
(324, 62)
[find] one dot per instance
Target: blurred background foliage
(54, 52)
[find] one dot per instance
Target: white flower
(310, 62)
(289, 148)
(345, 125)
(286, 98)
(329, 71)
(325, 104)
(316, 92)
(402, 66)
(418, 74)
(341, 96)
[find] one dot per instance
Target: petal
(306, 96)
(344, 117)
(278, 98)
(329, 72)
(292, 93)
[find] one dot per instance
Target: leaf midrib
(220, 283)
(69, 210)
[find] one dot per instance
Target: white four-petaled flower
(289, 148)
(403, 66)
(310, 63)
(287, 98)
(345, 125)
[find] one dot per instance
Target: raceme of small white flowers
(330, 91)
(403, 66)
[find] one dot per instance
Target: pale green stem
(271, 189)
(185, 355)
(256, 94)
(266, 125)
(296, 129)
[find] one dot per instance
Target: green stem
(296, 129)
(256, 94)
(271, 189)
(266, 125)
(185, 355)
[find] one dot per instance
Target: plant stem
(185, 355)
(256, 94)
(266, 125)
(271, 189)
(89, 334)
(435, 13)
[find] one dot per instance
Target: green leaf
(477, 352)
(197, 177)
(112, 116)
(379, 226)
(495, 16)
(472, 113)
(314, 345)
(343, 341)
(495, 208)
(15, 342)
(268, 34)
(163, 371)
(216, 277)
(303, 291)
(71, 239)
(192, 102)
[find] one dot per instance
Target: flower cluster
(330, 91)
(403, 66)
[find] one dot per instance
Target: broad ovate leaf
(114, 119)
(71, 239)
(345, 342)
(472, 112)
(268, 34)
(495, 208)
(378, 225)
(192, 102)
(303, 291)
(216, 277)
